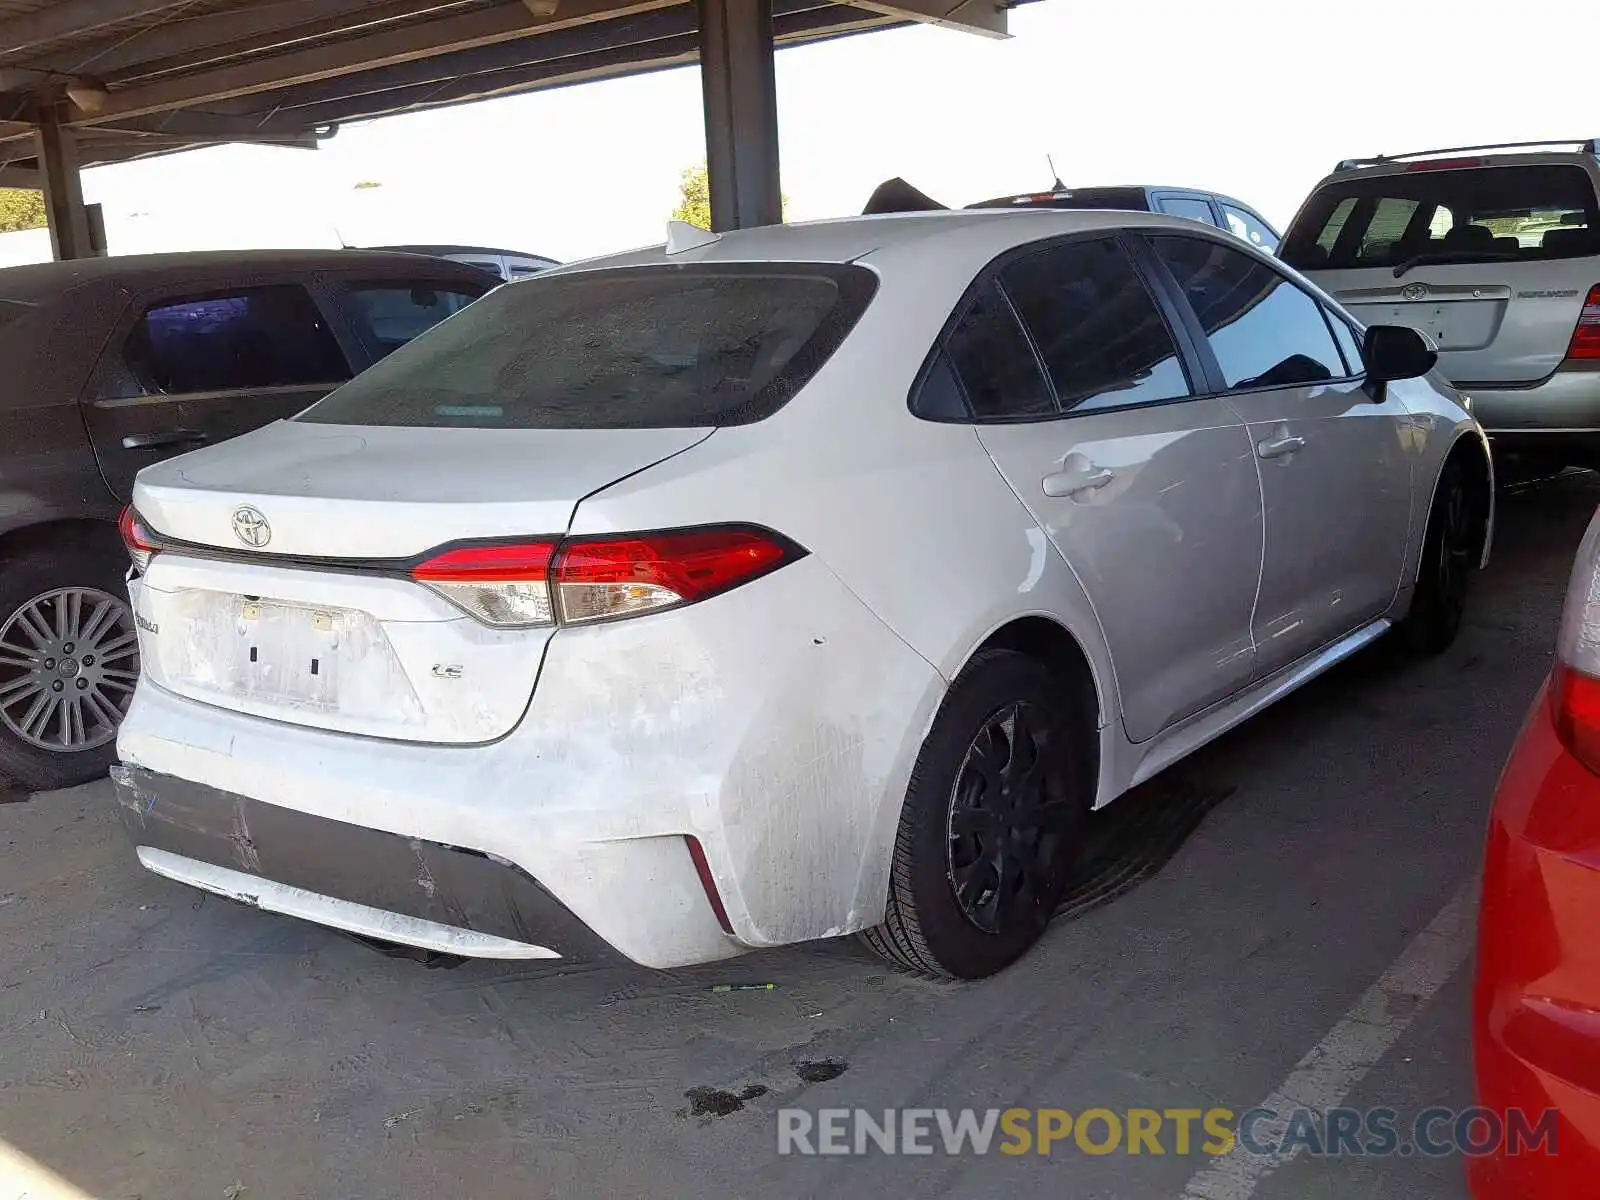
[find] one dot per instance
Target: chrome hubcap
(68, 662)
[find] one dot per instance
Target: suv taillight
(136, 536)
(519, 585)
(1575, 684)
(1586, 337)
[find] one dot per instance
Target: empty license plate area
(1452, 324)
(287, 652)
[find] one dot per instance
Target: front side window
(624, 348)
(1263, 330)
(389, 315)
(1101, 336)
(263, 337)
(996, 367)
(1451, 214)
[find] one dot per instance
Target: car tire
(1444, 572)
(990, 832)
(68, 645)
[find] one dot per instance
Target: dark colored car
(110, 364)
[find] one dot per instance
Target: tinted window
(225, 341)
(1195, 210)
(632, 348)
(996, 366)
(1478, 214)
(1249, 227)
(388, 316)
(1100, 334)
(939, 396)
(1348, 345)
(1263, 330)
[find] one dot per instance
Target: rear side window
(627, 348)
(230, 341)
(388, 315)
(1472, 214)
(1264, 331)
(1250, 228)
(1188, 206)
(1101, 337)
(995, 364)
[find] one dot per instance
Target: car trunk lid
(283, 589)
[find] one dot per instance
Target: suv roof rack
(1583, 146)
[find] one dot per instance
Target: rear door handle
(1277, 447)
(1074, 483)
(164, 439)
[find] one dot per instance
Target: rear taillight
(581, 580)
(136, 536)
(1586, 337)
(1575, 684)
(506, 585)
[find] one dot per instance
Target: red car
(1536, 1020)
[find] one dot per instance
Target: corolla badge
(1414, 291)
(250, 527)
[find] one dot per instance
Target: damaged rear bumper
(364, 881)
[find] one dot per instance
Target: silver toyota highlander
(1494, 253)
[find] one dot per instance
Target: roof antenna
(1057, 186)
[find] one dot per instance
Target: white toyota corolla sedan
(769, 587)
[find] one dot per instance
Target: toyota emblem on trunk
(250, 527)
(1414, 291)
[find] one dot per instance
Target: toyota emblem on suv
(250, 527)
(1414, 291)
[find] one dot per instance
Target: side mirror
(1397, 352)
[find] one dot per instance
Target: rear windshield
(1476, 214)
(1122, 198)
(629, 348)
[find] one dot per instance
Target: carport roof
(141, 77)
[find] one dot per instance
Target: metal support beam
(74, 18)
(369, 51)
(63, 188)
(741, 105)
(984, 17)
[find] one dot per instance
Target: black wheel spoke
(1007, 810)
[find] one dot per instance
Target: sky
(1254, 98)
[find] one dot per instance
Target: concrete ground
(159, 1045)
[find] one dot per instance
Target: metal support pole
(741, 103)
(63, 188)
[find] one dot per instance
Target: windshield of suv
(625, 348)
(1473, 214)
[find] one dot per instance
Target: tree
(694, 205)
(21, 208)
(694, 202)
